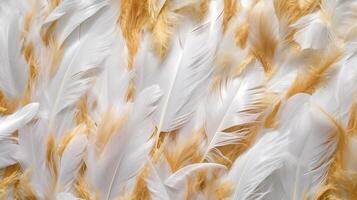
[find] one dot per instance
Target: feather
(32, 156)
(232, 105)
(339, 85)
(254, 166)
(264, 34)
(10, 123)
(312, 144)
(156, 185)
(188, 65)
(70, 162)
(125, 153)
(318, 29)
(13, 70)
(155, 99)
(77, 71)
(177, 179)
(7, 151)
(70, 14)
(66, 196)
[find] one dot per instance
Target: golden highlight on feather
(271, 120)
(47, 33)
(51, 156)
(292, 10)
(81, 186)
(162, 30)
(231, 152)
(241, 36)
(197, 10)
(31, 60)
(130, 93)
(185, 152)
(352, 122)
(108, 126)
(141, 191)
(82, 116)
(308, 81)
(9, 178)
(343, 185)
(223, 191)
(23, 189)
(133, 16)
(336, 179)
(263, 39)
(7, 106)
(230, 9)
(66, 139)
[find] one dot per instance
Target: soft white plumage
(178, 99)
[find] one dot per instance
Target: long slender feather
(252, 168)
(232, 105)
(70, 14)
(13, 70)
(126, 151)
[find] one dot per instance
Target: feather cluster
(178, 99)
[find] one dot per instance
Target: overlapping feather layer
(178, 99)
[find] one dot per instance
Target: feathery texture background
(178, 99)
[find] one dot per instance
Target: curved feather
(177, 179)
(9, 124)
(70, 162)
(156, 185)
(254, 166)
(13, 69)
(184, 73)
(70, 14)
(127, 150)
(230, 106)
(312, 143)
(79, 68)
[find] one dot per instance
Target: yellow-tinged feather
(23, 189)
(230, 9)
(271, 120)
(292, 10)
(109, 125)
(308, 81)
(80, 129)
(141, 191)
(352, 122)
(51, 156)
(30, 56)
(9, 178)
(7, 106)
(82, 116)
(162, 30)
(231, 152)
(82, 188)
(133, 16)
(241, 36)
(264, 42)
(185, 152)
(197, 11)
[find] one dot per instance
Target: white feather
(178, 179)
(228, 107)
(70, 163)
(254, 166)
(13, 69)
(312, 144)
(127, 150)
(70, 14)
(11, 123)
